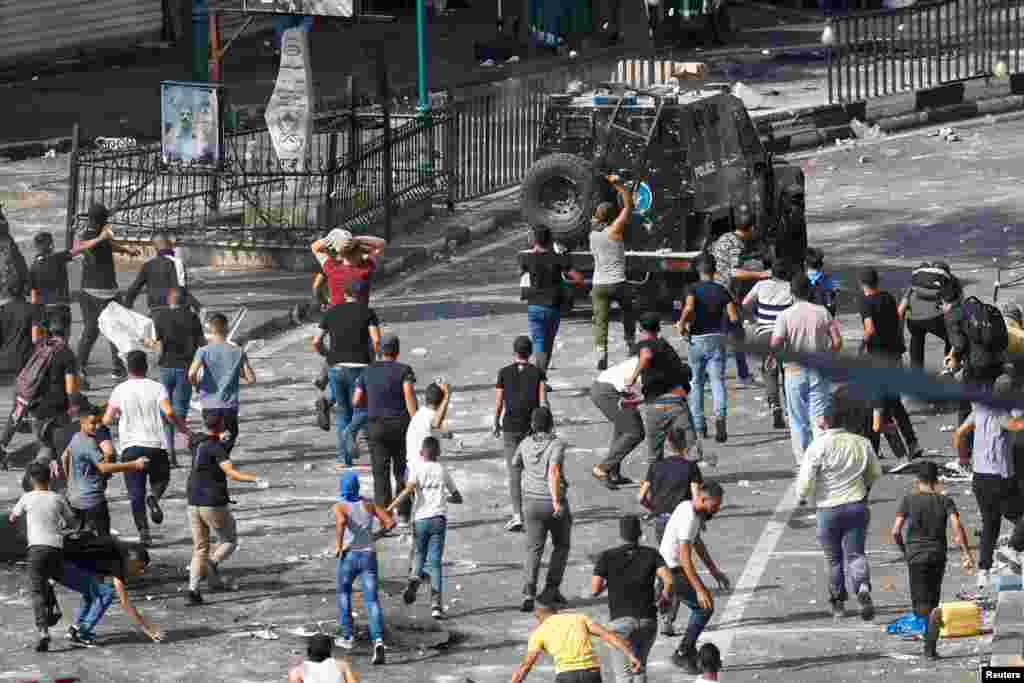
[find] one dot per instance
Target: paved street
(913, 198)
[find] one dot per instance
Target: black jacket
(158, 275)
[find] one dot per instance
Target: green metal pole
(421, 62)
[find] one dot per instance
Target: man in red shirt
(343, 259)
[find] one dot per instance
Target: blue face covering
(348, 487)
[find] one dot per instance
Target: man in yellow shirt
(567, 639)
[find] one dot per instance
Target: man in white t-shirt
(767, 300)
(627, 425)
(431, 417)
(434, 488)
(681, 540)
(140, 406)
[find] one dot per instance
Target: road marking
(752, 573)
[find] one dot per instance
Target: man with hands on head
(608, 245)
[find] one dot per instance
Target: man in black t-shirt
(670, 481)
(543, 268)
(706, 318)
(354, 332)
(86, 561)
(208, 506)
(48, 275)
(629, 573)
(180, 334)
(666, 385)
(520, 389)
(99, 283)
(388, 390)
(883, 338)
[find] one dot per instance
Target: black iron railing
(928, 44)
(251, 197)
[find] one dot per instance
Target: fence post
(384, 91)
(352, 90)
(72, 207)
(332, 176)
(451, 148)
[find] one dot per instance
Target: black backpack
(984, 326)
(929, 280)
(31, 383)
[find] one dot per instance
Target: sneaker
(44, 644)
(704, 431)
(620, 480)
(213, 576)
(687, 661)
(345, 643)
(378, 652)
(155, 513)
(409, 594)
(527, 605)
(323, 414)
(1010, 556)
(901, 465)
(194, 599)
(514, 524)
(778, 418)
(720, 434)
(602, 363)
(982, 579)
(867, 606)
(80, 639)
(838, 609)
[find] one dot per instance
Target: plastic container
(960, 619)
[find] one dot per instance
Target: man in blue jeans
(681, 540)
(180, 334)
(354, 332)
(709, 310)
(223, 366)
(806, 327)
(433, 488)
(86, 561)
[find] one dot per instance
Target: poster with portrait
(321, 8)
(191, 123)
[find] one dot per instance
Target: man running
(159, 275)
(140, 406)
(568, 639)
(519, 391)
(682, 539)
(224, 365)
(768, 299)
(627, 424)
(629, 573)
(666, 384)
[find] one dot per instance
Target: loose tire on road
(559, 192)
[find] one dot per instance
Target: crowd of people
(654, 394)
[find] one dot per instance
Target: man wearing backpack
(978, 336)
(824, 289)
(921, 307)
(43, 389)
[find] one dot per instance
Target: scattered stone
(419, 351)
(865, 132)
(308, 467)
(743, 484)
(863, 159)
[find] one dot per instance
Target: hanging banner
(320, 8)
(190, 123)
(290, 110)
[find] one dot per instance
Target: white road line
(752, 573)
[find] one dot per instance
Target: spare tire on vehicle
(559, 191)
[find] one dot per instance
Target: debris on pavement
(751, 99)
(865, 132)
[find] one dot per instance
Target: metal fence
(482, 140)
(355, 166)
(891, 51)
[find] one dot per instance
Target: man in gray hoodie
(540, 458)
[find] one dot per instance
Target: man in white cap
(345, 259)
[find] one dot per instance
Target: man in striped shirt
(767, 300)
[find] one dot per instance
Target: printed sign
(320, 8)
(290, 110)
(190, 123)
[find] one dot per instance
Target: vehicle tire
(559, 191)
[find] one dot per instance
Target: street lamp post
(421, 56)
